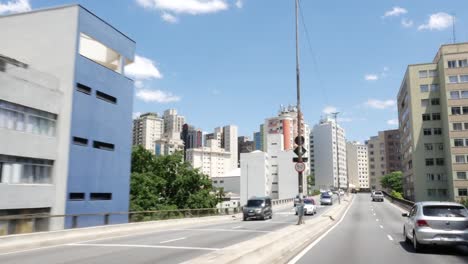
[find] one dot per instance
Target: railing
(406, 204)
(42, 221)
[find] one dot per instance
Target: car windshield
(445, 211)
(378, 193)
(326, 196)
(254, 203)
(308, 201)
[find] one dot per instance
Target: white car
(341, 192)
(309, 207)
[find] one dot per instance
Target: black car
(258, 208)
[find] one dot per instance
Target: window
(424, 102)
(100, 53)
(21, 170)
(215, 181)
(430, 177)
(456, 110)
(462, 192)
(435, 87)
(25, 119)
(426, 117)
(454, 95)
(427, 131)
(422, 74)
(436, 116)
(103, 145)
(461, 175)
(458, 142)
(432, 73)
(453, 79)
(106, 97)
(431, 192)
(221, 181)
(440, 162)
(428, 146)
(76, 196)
(463, 63)
(452, 64)
(435, 101)
(83, 88)
(457, 126)
(437, 131)
(424, 88)
(465, 110)
(459, 159)
(466, 126)
(463, 78)
(429, 162)
(80, 141)
(100, 196)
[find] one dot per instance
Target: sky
(221, 62)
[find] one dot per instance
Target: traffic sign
(296, 159)
(299, 140)
(300, 151)
(300, 166)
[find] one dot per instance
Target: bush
(396, 194)
(464, 202)
(315, 192)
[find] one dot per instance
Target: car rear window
(378, 193)
(254, 203)
(445, 211)
(308, 201)
(325, 196)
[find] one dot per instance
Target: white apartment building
(323, 155)
(255, 177)
(173, 124)
(358, 166)
(148, 128)
(230, 182)
(211, 160)
(226, 138)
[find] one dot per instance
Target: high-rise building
(211, 159)
(325, 161)
(229, 143)
(259, 138)
(66, 146)
(244, 145)
(384, 156)
(357, 164)
(433, 119)
(173, 124)
(147, 128)
(192, 138)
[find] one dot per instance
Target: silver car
(436, 223)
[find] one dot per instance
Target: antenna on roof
(454, 36)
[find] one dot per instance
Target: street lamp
(335, 115)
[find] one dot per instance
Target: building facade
(80, 139)
(192, 138)
(433, 118)
(244, 145)
(173, 124)
(211, 160)
(357, 164)
(255, 177)
(147, 128)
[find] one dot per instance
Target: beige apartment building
(433, 117)
(148, 128)
(357, 164)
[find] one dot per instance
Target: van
(258, 208)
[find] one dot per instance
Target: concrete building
(244, 145)
(229, 143)
(324, 157)
(357, 164)
(167, 146)
(173, 124)
(71, 135)
(259, 138)
(433, 118)
(229, 181)
(192, 138)
(211, 160)
(148, 128)
(255, 175)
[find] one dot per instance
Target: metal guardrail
(406, 204)
(43, 219)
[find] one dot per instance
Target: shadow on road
(459, 251)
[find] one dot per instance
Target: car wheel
(245, 218)
(416, 245)
(405, 236)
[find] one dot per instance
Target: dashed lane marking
(172, 240)
(142, 246)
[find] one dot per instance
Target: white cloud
(379, 104)
(393, 122)
(136, 115)
(143, 69)
(407, 23)
(371, 77)
(15, 6)
(169, 18)
(438, 21)
(329, 110)
(158, 96)
(239, 3)
(192, 7)
(396, 11)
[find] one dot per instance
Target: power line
(314, 60)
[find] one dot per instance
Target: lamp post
(335, 115)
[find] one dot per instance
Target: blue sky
(232, 62)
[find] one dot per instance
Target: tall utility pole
(299, 114)
(335, 115)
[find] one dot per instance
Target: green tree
(166, 182)
(393, 181)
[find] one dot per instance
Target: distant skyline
(224, 62)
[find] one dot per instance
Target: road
(168, 246)
(371, 232)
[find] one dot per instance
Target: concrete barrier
(279, 246)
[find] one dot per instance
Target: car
(353, 191)
(309, 207)
(341, 192)
(326, 199)
(258, 208)
(378, 196)
(436, 223)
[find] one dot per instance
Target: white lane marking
(172, 240)
(285, 213)
(222, 230)
(375, 214)
(142, 246)
(267, 221)
(377, 219)
(303, 252)
(390, 237)
(381, 226)
(236, 227)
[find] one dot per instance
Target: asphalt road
(371, 232)
(168, 246)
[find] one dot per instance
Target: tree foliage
(393, 181)
(166, 182)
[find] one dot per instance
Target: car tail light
(422, 223)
